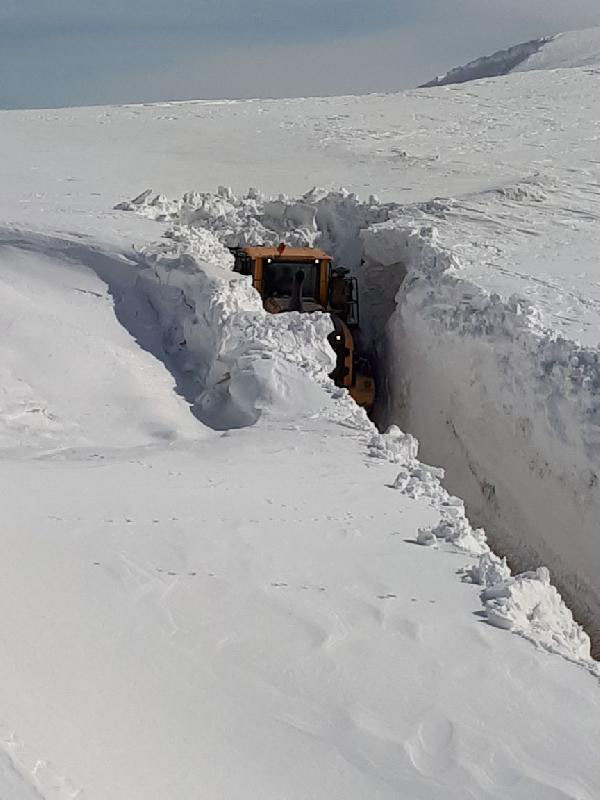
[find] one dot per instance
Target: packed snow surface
(219, 578)
(563, 51)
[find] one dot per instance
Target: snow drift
(566, 50)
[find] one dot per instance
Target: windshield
(278, 278)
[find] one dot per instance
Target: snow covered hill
(566, 50)
(211, 571)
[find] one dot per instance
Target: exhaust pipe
(296, 301)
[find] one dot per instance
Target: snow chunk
(426, 537)
(421, 481)
(455, 529)
(394, 445)
(528, 604)
(489, 570)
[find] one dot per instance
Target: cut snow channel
(372, 235)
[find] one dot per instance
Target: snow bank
(530, 605)
(506, 405)
(526, 604)
(247, 363)
(331, 218)
(566, 50)
(239, 362)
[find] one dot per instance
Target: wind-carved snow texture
(565, 50)
(247, 364)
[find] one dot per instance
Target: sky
(85, 52)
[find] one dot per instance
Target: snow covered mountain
(219, 579)
(566, 50)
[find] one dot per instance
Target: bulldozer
(303, 279)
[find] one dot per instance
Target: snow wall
(504, 407)
(509, 409)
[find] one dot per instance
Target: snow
(525, 603)
(500, 63)
(454, 335)
(212, 577)
(500, 394)
(566, 50)
(563, 51)
(237, 362)
(119, 397)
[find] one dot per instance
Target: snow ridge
(565, 50)
(246, 360)
(500, 63)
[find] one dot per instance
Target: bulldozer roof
(290, 253)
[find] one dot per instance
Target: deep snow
(490, 389)
(246, 613)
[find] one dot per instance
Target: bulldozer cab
(275, 271)
(303, 279)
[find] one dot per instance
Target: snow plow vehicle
(303, 279)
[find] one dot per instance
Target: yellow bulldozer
(303, 279)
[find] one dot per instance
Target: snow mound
(394, 445)
(566, 50)
(240, 362)
(530, 606)
(319, 216)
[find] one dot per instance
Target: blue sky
(75, 52)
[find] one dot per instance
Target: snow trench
(509, 409)
(491, 397)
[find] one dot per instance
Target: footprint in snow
(178, 574)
